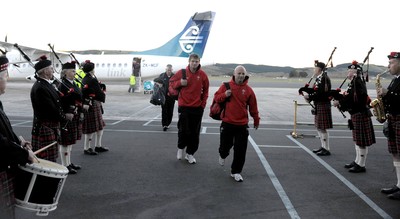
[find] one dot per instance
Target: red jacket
(241, 101)
(195, 94)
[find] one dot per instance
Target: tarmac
(140, 176)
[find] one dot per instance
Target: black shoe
(324, 152)
(357, 169)
(71, 170)
(89, 152)
(349, 165)
(101, 149)
(75, 167)
(165, 128)
(317, 150)
(390, 190)
(394, 196)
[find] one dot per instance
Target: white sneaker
(190, 158)
(221, 161)
(237, 177)
(179, 154)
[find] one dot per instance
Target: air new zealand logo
(190, 38)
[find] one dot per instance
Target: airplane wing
(32, 53)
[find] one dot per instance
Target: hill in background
(339, 71)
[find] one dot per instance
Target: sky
(278, 33)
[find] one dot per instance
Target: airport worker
(191, 103)
(356, 101)
(14, 152)
(167, 109)
(132, 83)
(240, 101)
(80, 74)
(47, 110)
(391, 100)
(93, 122)
(322, 111)
(71, 102)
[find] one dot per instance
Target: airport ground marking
(278, 187)
(352, 187)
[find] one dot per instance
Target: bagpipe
(306, 87)
(337, 95)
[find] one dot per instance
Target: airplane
(192, 39)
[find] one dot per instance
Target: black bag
(158, 97)
(217, 108)
(174, 93)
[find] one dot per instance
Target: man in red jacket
(192, 100)
(234, 127)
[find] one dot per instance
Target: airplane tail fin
(192, 39)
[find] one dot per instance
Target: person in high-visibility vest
(80, 74)
(132, 83)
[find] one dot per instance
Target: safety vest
(80, 74)
(132, 80)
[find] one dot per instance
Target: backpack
(217, 108)
(174, 93)
(157, 98)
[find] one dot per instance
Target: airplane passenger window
(103, 65)
(125, 65)
(97, 65)
(119, 65)
(114, 65)
(108, 65)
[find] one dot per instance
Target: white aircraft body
(192, 39)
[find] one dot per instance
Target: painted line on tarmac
(278, 187)
(352, 187)
(119, 121)
(278, 146)
(20, 123)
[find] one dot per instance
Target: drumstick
(44, 148)
(28, 148)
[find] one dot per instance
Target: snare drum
(38, 186)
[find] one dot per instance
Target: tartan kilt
(93, 120)
(323, 117)
(43, 134)
(7, 198)
(394, 141)
(363, 132)
(69, 131)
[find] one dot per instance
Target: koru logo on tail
(190, 38)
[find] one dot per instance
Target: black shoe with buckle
(357, 169)
(89, 152)
(317, 150)
(324, 152)
(394, 196)
(390, 190)
(101, 149)
(349, 165)
(71, 170)
(75, 167)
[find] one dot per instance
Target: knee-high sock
(363, 156)
(324, 137)
(63, 155)
(397, 166)
(69, 149)
(88, 139)
(99, 136)
(320, 138)
(357, 160)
